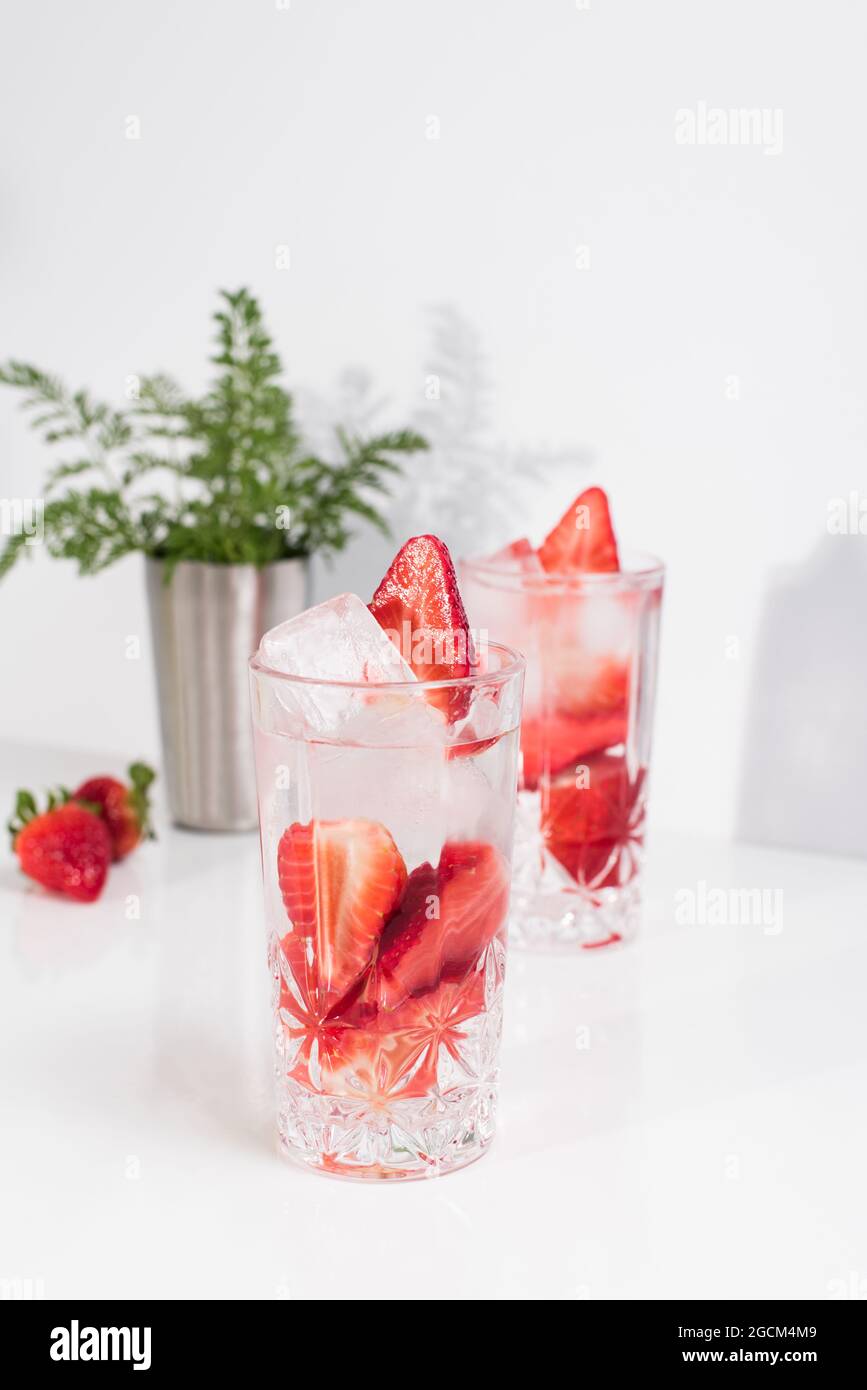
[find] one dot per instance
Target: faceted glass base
(413, 1099)
(421, 1139)
(568, 918)
(596, 901)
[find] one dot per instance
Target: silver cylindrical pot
(206, 623)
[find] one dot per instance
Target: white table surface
(681, 1117)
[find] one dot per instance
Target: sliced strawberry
(419, 605)
(482, 729)
(520, 555)
(340, 880)
(474, 899)
(472, 749)
(378, 1067)
(400, 1059)
(587, 715)
(124, 808)
(382, 1055)
(594, 830)
(516, 550)
(556, 741)
(583, 540)
(440, 1010)
(66, 848)
(447, 918)
(390, 1056)
(360, 1006)
(408, 938)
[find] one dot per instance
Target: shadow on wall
(469, 488)
(805, 751)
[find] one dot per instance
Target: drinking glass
(386, 834)
(591, 641)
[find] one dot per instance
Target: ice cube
(605, 625)
(529, 844)
(422, 796)
(586, 645)
(483, 720)
(361, 753)
(403, 720)
(399, 787)
(335, 641)
(469, 808)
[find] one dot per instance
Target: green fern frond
(232, 460)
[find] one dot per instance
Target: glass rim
(516, 663)
(643, 571)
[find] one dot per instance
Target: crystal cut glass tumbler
(386, 817)
(590, 641)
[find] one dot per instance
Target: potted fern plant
(221, 497)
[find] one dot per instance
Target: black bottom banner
(159, 1338)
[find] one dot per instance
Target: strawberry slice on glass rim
(583, 540)
(419, 605)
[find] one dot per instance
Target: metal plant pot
(206, 623)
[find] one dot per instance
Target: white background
(307, 126)
(681, 1118)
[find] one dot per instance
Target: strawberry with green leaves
(125, 807)
(66, 847)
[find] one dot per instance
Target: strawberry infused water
(587, 620)
(386, 758)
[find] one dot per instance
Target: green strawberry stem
(26, 808)
(141, 776)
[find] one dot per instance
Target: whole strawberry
(66, 848)
(125, 809)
